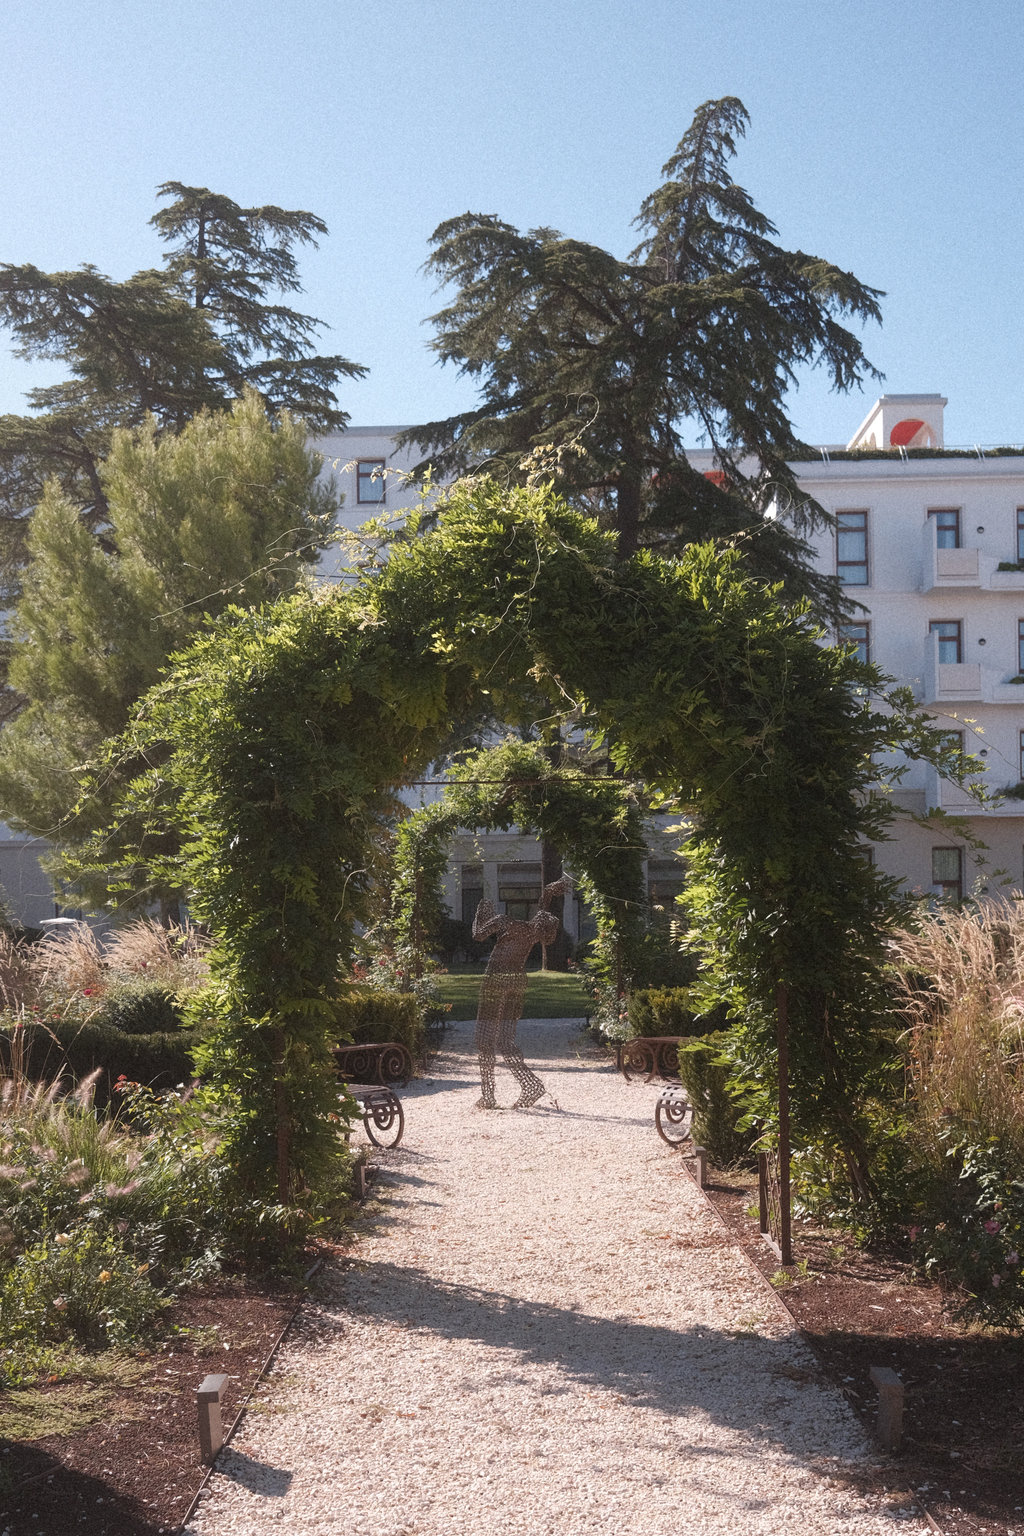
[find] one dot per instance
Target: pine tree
(227, 512)
(163, 344)
(589, 365)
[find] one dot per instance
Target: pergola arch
(594, 822)
(290, 731)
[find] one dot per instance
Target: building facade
(930, 542)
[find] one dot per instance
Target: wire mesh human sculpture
(503, 988)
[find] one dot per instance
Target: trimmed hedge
(704, 1073)
(141, 1008)
(667, 1011)
(74, 1049)
(369, 1016)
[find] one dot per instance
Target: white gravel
(544, 1329)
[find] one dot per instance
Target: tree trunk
(627, 520)
(555, 956)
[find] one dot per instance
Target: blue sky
(888, 139)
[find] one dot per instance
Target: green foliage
(594, 822)
(368, 1015)
(77, 1285)
(141, 1007)
(77, 1048)
(228, 511)
(667, 1011)
(163, 344)
(587, 363)
(706, 1073)
(286, 734)
(977, 1250)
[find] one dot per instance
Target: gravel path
(544, 1330)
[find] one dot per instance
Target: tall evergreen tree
(229, 511)
(589, 366)
(164, 343)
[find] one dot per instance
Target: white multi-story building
(930, 541)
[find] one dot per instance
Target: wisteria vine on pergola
(280, 740)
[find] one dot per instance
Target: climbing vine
(291, 729)
(595, 822)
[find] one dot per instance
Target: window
(852, 548)
(666, 879)
(950, 640)
(955, 742)
(947, 874)
(519, 889)
(370, 482)
(858, 635)
(947, 527)
(472, 890)
(1020, 533)
(1020, 646)
(1021, 760)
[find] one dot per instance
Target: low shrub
(976, 1251)
(78, 1285)
(76, 1049)
(139, 1006)
(371, 1015)
(667, 1011)
(706, 1073)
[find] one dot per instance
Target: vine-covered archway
(594, 822)
(282, 738)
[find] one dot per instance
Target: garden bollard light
(890, 1406)
(211, 1432)
(700, 1157)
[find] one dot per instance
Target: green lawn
(549, 995)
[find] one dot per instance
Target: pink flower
(996, 1279)
(1011, 1258)
(993, 1226)
(913, 1234)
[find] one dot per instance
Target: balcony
(947, 569)
(956, 570)
(943, 795)
(949, 682)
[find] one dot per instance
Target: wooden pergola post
(782, 1026)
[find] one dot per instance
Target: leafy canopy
(228, 512)
(164, 343)
(589, 366)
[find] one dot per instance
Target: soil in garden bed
(963, 1427)
(128, 1462)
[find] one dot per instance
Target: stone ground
(544, 1329)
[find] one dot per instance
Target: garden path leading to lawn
(543, 1329)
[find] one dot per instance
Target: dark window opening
(858, 635)
(947, 874)
(852, 548)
